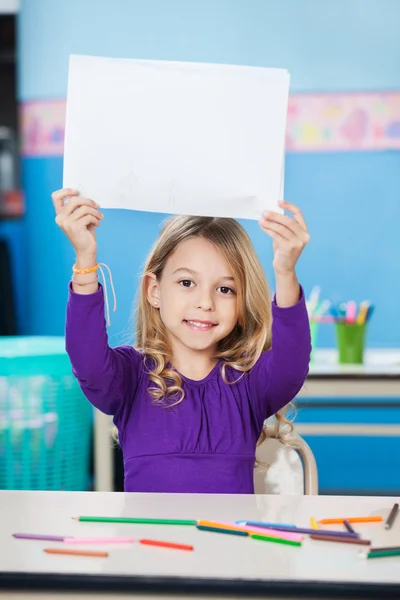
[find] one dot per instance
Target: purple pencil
(34, 536)
(305, 530)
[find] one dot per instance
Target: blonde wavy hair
(252, 334)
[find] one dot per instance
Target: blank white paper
(173, 137)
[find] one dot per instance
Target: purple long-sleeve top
(205, 444)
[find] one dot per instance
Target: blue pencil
(281, 527)
(370, 312)
(267, 525)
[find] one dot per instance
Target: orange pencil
(350, 520)
(75, 552)
(217, 524)
(172, 545)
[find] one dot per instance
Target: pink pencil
(108, 540)
(283, 535)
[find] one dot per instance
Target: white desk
(220, 564)
(378, 377)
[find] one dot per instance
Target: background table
(220, 564)
(350, 416)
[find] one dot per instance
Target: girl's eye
(186, 282)
(226, 290)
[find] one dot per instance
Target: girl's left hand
(290, 236)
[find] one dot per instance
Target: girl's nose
(205, 301)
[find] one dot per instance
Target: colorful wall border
(316, 123)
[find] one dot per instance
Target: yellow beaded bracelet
(85, 271)
(93, 269)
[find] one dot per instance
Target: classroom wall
(350, 199)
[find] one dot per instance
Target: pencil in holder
(314, 326)
(351, 342)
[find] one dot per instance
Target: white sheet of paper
(172, 137)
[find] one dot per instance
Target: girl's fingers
(89, 220)
(283, 231)
(277, 237)
(77, 202)
(296, 212)
(291, 224)
(59, 196)
(85, 210)
(288, 223)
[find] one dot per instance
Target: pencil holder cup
(45, 421)
(314, 326)
(351, 342)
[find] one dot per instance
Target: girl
(214, 356)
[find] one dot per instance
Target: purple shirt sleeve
(279, 373)
(108, 377)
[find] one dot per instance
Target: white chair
(288, 468)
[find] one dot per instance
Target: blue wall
(350, 199)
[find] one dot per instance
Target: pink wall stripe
(340, 122)
(316, 123)
(42, 126)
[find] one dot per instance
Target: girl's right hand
(78, 219)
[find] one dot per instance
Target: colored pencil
(75, 552)
(281, 526)
(127, 540)
(340, 540)
(136, 521)
(284, 535)
(313, 523)
(34, 536)
(382, 554)
(171, 545)
(221, 530)
(384, 549)
(307, 530)
(108, 540)
(253, 529)
(392, 516)
(363, 312)
(277, 540)
(350, 520)
(221, 524)
(348, 526)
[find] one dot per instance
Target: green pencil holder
(314, 326)
(351, 342)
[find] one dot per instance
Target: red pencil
(172, 545)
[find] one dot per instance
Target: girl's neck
(193, 364)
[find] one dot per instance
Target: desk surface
(220, 564)
(378, 362)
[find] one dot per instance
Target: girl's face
(196, 296)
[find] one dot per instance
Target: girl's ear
(152, 288)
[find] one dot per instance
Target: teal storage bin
(45, 420)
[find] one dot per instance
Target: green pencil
(136, 521)
(267, 538)
(382, 554)
(221, 530)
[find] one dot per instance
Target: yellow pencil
(313, 523)
(362, 315)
